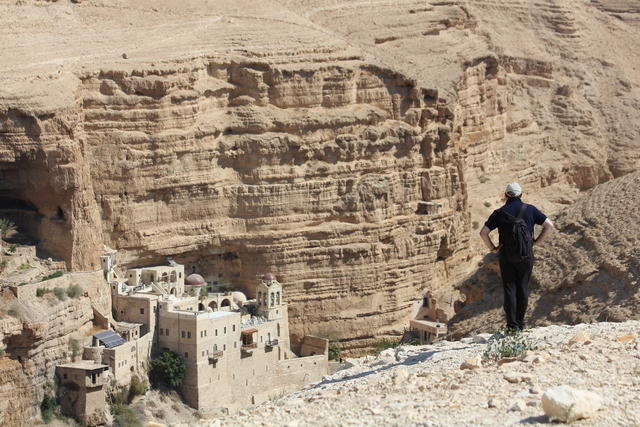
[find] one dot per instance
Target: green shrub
(136, 387)
(74, 291)
(48, 408)
(475, 225)
(385, 343)
(53, 275)
(483, 179)
(121, 397)
(12, 248)
(507, 343)
(334, 352)
(487, 204)
(24, 266)
(124, 416)
(59, 293)
(3, 263)
(41, 291)
(3, 351)
(168, 369)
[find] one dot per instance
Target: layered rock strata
(282, 136)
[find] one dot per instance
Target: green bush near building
(168, 369)
(53, 275)
(59, 293)
(74, 291)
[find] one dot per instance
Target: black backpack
(515, 237)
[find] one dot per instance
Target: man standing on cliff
(515, 221)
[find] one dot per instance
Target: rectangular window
(186, 355)
(188, 334)
(142, 311)
(234, 328)
(182, 334)
(224, 347)
(161, 331)
(216, 332)
(166, 332)
(225, 329)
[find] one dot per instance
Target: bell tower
(269, 297)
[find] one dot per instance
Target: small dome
(194, 280)
(269, 276)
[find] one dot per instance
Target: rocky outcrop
(37, 335)
(424, 384)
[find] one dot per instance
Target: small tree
(48, 408)
(59, 293)
(168, 369)
(6, 227)
(74, 291)
(136, 387)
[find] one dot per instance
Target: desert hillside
(588, 270)
(300, 137)
(352, 148)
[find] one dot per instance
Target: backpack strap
(523, 209)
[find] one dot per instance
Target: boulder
(472, 363)
(481, 338)
(580, 338)
(567, 404)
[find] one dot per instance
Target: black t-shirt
(531, 215)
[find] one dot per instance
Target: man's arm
(547, 228)
(484, 235)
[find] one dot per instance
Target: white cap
(513, 190)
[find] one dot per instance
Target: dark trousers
(515, 281)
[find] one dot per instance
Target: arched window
(225, 303)
(213, 305)
(277, 298)
(200, 307)
(272, 295)
(278, 329)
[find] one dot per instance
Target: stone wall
(92, 284)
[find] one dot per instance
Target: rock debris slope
(425, 385)
(589, 270)
(299, 137)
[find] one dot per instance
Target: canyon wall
(312, 172)
(300, 137)
(38, 333)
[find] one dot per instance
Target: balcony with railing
(215, 355)
(271, 343)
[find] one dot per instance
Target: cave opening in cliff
(24, 215)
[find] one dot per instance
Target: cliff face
(238, 168)
(299, 137)
(36, 336)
